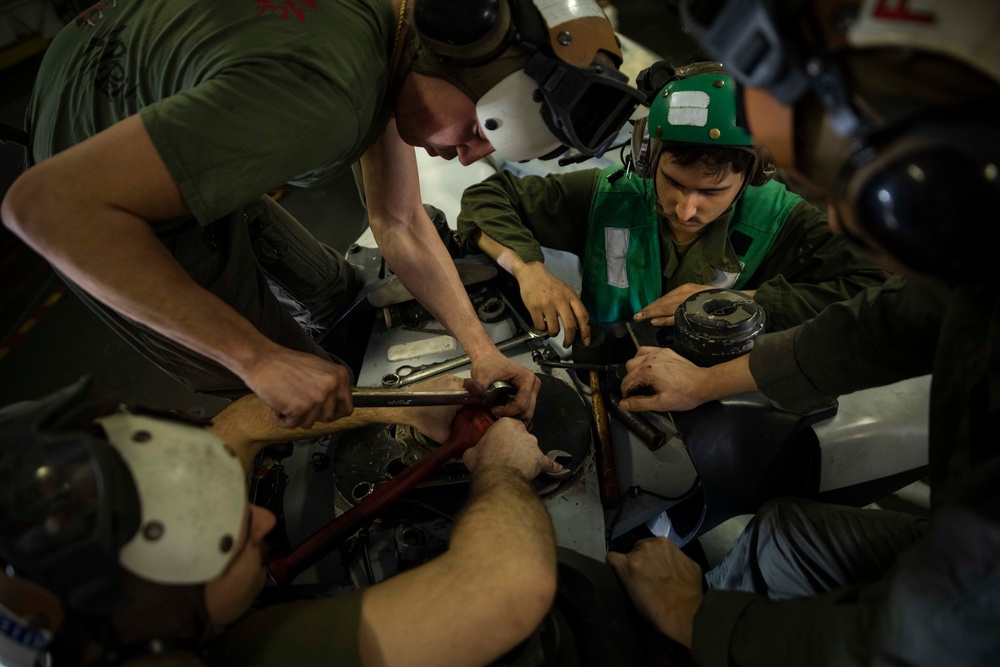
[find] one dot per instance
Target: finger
(662, 321)
(617, 562)
(343, 406)
(518, 404)
(532, 397)
(570, 326)
(288, 420)
(471, 386)
(326, 411)
(308, 418)
(638, 403)
(640, 360)
(537, 318)
(664, 310)
(523, 403)
(552, 322)
(583, 320)
(548, 465)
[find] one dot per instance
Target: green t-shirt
(321, 631)
(239, 96)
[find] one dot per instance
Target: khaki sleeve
(809, 268)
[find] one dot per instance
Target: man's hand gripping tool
(470, 424)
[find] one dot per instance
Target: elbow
(18, 209)
(530, 594)
(12, 208)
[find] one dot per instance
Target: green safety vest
(621, 260)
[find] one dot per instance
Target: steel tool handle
(379, 398)
(470, 424)
(498, 393)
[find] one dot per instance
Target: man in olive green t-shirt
(156, 125)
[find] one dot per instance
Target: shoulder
(773, 194)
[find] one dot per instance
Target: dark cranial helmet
(89, 503)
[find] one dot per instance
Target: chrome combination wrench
(409, 374)
(498, 393)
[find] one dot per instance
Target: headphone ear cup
(645, 150)
(929, 197)
(762, 170)
(464, 31)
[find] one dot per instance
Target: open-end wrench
(497, 393)
(399, 378)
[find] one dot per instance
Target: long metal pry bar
(497, 393)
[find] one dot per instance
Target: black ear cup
(463, 30)
(762, 169)
(645, 150)
(929, 197)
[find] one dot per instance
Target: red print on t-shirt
(900, 10)
(90, 16)
(285, 8)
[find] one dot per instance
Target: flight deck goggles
(67, 503)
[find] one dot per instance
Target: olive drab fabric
(801, 265)
(622, 256)
(238, 96)
(935, 603)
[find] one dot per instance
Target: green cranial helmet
(697, 105)
(699, 108)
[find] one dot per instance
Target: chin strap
(402, 45)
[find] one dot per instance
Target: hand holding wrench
(470, 424)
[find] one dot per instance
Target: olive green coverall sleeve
(809, 267)
(938, 603)
(526, 213)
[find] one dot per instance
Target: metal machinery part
(369, 456)
(417, 527)
(717, 325)
(469, 426)
(408, 374)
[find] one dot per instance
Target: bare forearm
(729, 378)
(415, 252)
(249, 425)
(503, 548)
(114, 256)
(504, 512)
(491, 588)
